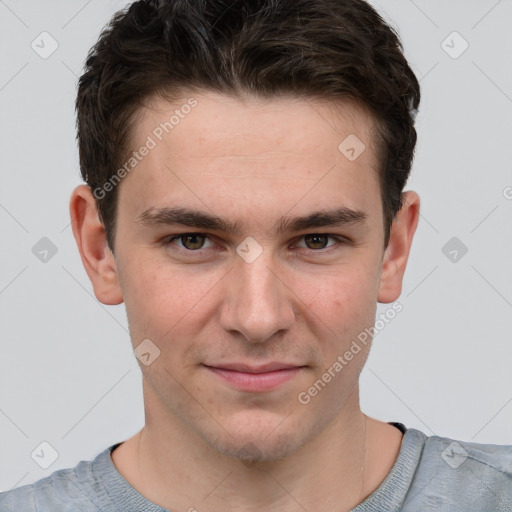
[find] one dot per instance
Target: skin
(303, 300)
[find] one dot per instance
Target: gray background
(68, 376)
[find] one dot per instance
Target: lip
(247, 368)
(255, 378)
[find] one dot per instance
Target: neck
(335, 470)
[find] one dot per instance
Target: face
(249, 251)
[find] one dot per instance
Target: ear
(397, 252)
(90, 236)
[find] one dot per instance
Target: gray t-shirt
(430, 474)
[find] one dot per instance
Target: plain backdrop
(68, 375)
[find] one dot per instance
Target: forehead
(207, 147)
(258, 124)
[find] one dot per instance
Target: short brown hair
(330, 49)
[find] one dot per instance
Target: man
(245, 164)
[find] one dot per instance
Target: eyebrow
(154, 217)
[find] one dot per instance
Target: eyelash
(339, 241)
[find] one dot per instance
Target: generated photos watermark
(343, 360)
(152, 140)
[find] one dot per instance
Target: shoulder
(65, 490)
(21, 498)
(461, 475)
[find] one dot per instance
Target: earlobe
(397, 252)
(90, 236)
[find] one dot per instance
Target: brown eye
(193, 241)
(316, 241)
(189, 244)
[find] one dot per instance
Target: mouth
(255, 378)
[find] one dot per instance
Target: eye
(317, 241)
(190, 241)
(197, 242)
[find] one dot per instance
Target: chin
(253, 449)
(253, 438)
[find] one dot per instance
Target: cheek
(343, 297)
(160, 300)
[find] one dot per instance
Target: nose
(257, 303)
